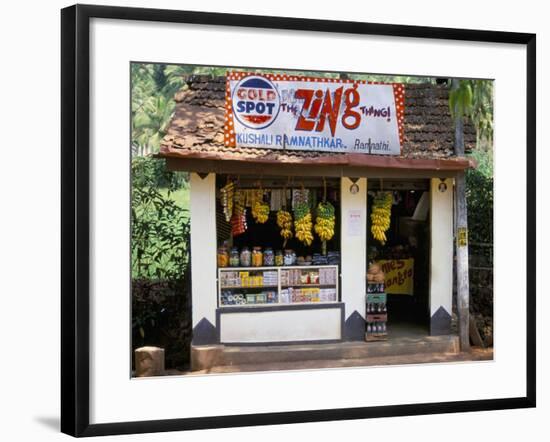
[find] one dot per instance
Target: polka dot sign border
(229, 131)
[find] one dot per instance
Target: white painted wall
(353, 246)
(203, 247)
(281, 326)
(441, 262)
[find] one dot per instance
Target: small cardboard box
(377, 318)
(377, 298)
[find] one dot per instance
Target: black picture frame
(75, 212)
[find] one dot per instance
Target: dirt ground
(475, 354)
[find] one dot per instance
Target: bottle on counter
(223, 256)
(245, 257)
(234, 258)
(279, 259)
(288, 258)
(257, 257)
(269, 257)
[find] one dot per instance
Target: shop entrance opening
(403, 256)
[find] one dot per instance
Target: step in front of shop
(204, 357)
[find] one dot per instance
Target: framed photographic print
(280, 236)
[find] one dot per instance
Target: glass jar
(223, 257)
(279, 259)
(288, 258)
(269, 257)
(245, 257)
(257, 257)
(234, 258)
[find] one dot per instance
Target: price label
(462, 237)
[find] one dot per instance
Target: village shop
(321, 211)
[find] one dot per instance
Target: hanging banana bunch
(380, 216)
(325, 221)
(303, 223)
(227, 193)
(260, 209)
(260, 212)
(284, 221)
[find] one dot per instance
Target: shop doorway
(404, 256)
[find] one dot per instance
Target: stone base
(204, 357)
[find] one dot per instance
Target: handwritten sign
(399, 275)
(282, 111)
(355, 223)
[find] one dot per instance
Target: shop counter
(279, 304)
(292, 323)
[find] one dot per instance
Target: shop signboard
(280, 111)
(399, 275)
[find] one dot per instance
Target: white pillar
(203, 258)
(441, 260)
(354, 256)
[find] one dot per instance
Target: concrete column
(441, 260)
(203, 258)
(354, 256)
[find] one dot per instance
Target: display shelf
(282, 293)
(229, 287)
(307, 285)
(376, 312)
(308, 303)
(239, 269)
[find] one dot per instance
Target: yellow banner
(399, 275)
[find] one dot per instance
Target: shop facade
(322, 298)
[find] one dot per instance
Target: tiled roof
(196, 130)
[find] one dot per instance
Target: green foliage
(479, 194)
(460, 99)
(160, 227)
(161, 317)
(482, 109)
(474, 99)
(153, 172)
(153, 89)
(484, 159)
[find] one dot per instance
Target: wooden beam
(244, 168)
(461, 234)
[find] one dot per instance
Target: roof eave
(344, 159)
